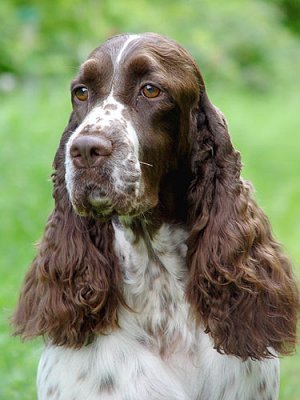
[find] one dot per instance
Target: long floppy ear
(72, 288)
(241, 285)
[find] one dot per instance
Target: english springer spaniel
(157, 277)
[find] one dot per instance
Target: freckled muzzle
(103, 173)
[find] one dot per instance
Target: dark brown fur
(72, 289)
(240, 284)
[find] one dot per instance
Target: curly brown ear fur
(72, 288)
(241, 285)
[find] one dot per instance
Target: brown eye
(81, 93)
(150, 91)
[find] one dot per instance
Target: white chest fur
(154, 287)
(158, 353)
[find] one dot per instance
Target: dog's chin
(95, 203)
(103, 209)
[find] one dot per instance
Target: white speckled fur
(128, 363)
(102, 119)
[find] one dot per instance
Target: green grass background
(265, 128)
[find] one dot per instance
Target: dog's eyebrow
(98, 67)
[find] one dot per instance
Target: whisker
(149, 165)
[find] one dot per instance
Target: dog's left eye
(81, 93)
(150, 91)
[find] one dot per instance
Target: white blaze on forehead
(121, 52)
(103, 117)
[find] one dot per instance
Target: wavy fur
(71, 292)
(241, 284)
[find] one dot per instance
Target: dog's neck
(154, 281)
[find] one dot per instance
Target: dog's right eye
(81, 93)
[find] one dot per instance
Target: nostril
(96, 152)
(75, 152)
(89, 151)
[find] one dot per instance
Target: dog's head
(134, 101)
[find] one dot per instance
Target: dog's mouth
(100, 204)
(92, 202)
(97, 204)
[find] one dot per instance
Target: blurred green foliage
(290, 13)
(240, 41)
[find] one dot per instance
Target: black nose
(90, 151)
